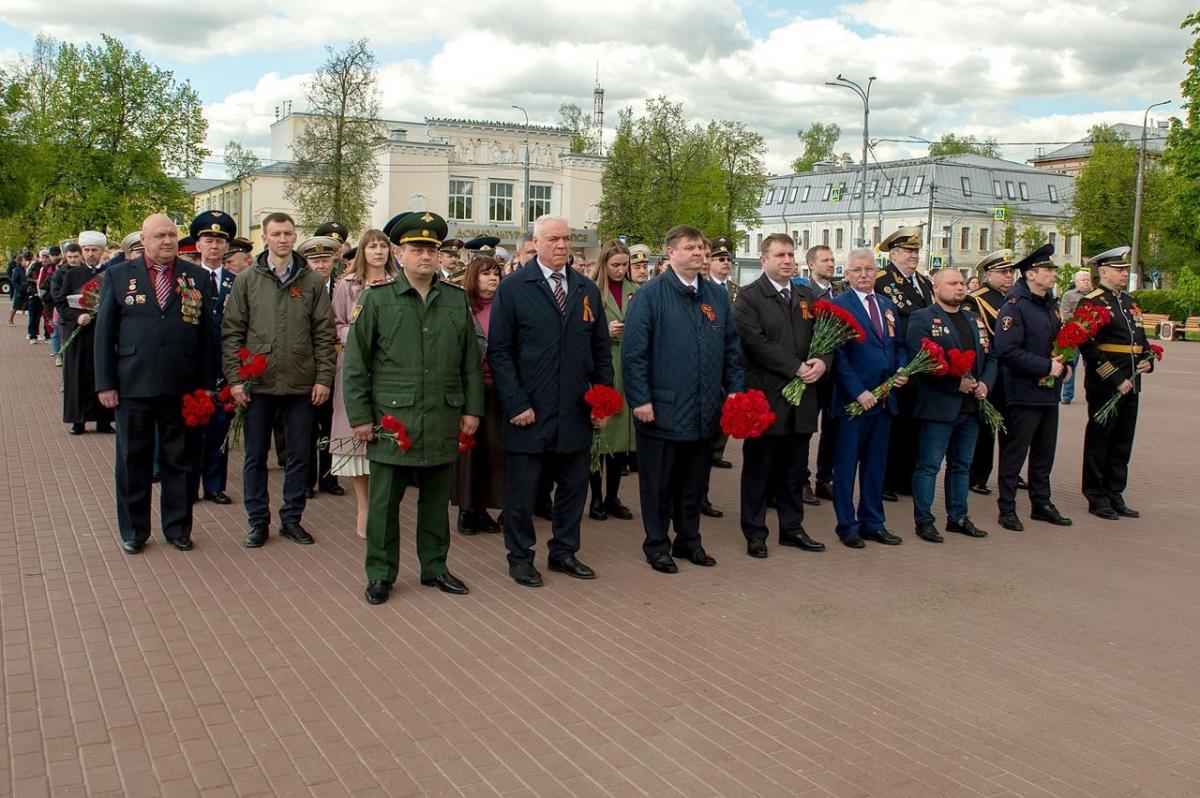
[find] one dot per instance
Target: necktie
(162, 287)
(560, 296)
(876, 321)
(786, 293)
(212, 282)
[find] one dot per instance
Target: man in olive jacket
(278, 308)
(412, 355)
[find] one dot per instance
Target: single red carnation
(394, 425)
(465, 442)
(604, 401)
(244, 354)
(746, 415)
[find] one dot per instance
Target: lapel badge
(129, 300)
(141, 299)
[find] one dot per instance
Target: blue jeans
(955, 443)
(55, 338)
(1068, 386)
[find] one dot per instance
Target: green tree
(950, 144)
(585, 137)
(820, 144)
(740, 169)
(1181, 214)
(333, 171)
(239, 161)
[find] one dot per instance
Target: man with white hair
(80, 403)
(1070, 301)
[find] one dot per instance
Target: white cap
(93, 238)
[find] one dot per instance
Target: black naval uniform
(1112, 357)
(986, 302)
(908, 294)
(80, 402)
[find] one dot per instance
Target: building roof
(966, 183)
(1156, 143)
(198, 185)
(519, 126)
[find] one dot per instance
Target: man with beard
(820, 284)
(80, 403)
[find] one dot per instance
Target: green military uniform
(617, 436)
(416, 359)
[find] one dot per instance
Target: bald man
(152, 339)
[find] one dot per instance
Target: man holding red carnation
(947, 409)
(1116, 358)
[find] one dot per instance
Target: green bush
(1191, 336)
(1172, 303)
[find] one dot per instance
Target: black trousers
(296, 412)
(1107, 449)
(1032, 432)
(523, 473)
(319, 455)
(34, 308)
(985, 444)
(778, 465)
(671, 481)
(137, 420)
(606, 486)
(902, 443)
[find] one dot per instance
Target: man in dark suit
(775, 323)
(909, 291)
(986, 301)
(152, 339)
(947, 409)
(547, 344)
(821, 264)
(319, 251)
(862, 441)
(679, 360)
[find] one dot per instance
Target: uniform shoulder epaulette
(449, 284)
(1012, 300)
(978, 292)
(879, 275)
(1097, 293)
(378, 283)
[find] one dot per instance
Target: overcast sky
(1018, 70)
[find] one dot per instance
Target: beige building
(1071, 159)
(473, 173)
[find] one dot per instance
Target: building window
(875, 235)
(1024, 191)
(804, 196)
(857, 189)
(825, 193)
(873, 189)
(947, 237)
(825, 237)
(966, 187)
(461, 199)
(887, 187)
(1066, 245)
(997, 189)
(539, 200)
(1054, 193)
(806, 240)
(841, 238)
(1011, 189)
(770, 197)
(965, 238)
(759, 242)
(795, 237)
(1053, 239)
(500, 202)
(903, 185)
(792, 193)
(918, 184)
(746, 246)
(983, 239)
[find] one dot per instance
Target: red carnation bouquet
(1108, 410)
(834, 326)
(746, 414)
(253, 366)
(930, 359)
(605, 402)
(389, 428)
(959, 364)
(1083, 325)
(198, 408)
(87, 300)
(465, 442)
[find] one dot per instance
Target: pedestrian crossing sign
(998, 214)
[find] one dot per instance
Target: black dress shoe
(596, 511)
(77, 429)
(257, 537)
(853, 542)
(297, 533)
(663, 563)
(1125, 511)
(712, 512)
(333, 489)
(981, 488)
(801, 540)
(965, 526)
(571, 566)
(721, 462)
(182, 544)
(488, 523)
(133, 546)
(377, 591)
(824, 490)
(618, 510)
(1050, 514)
(890, 496)
(1021, 483)
(105, 429)
(757, 548)
(545, 511)
(808, 497)
(447, 583)
(525, 574)
(1104, 511)
(1010, 522)
(468, 522)
(310, 493)
(217, 497)
(700, 557)
(883, 536)
(927, 531)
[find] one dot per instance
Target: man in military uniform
(1116, 360)
(1025, 330)
(338, 233)
(996, 269)
(478, 247)
(909, 290)
(720, 265)
(237, 255)
(412, 354)
(450, 260)
(320, 252)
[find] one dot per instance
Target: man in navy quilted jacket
(680, 359)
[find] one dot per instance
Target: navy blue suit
(862, 442)
(545, 361)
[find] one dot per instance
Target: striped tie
(560, 296)
(162, 288)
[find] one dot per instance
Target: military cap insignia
(426, 218)
(1006, 325)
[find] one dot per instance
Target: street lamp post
(525, 204)
(1137, 202)
(865, 96)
